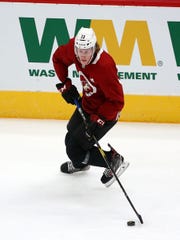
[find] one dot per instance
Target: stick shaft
(106, 161)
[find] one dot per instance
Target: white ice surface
(37, 202)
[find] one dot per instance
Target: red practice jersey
(102, 91)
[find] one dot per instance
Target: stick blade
(140, 219)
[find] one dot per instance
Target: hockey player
(102, 100)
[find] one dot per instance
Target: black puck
(131, 223)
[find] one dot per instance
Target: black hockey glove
(69, 92)
(94, 123)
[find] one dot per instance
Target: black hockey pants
(80, 150)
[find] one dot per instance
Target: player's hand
(95, 121)
(69, 92)
(64, 86)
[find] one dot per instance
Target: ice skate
(68, 167)
(117, 164)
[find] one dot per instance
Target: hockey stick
(106, 161)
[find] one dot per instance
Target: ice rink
(38, 202)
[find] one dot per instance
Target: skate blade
(122, 168)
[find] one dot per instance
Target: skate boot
(68, 167)
(118, 164)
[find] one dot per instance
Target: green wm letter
(174, 29)
(41, 52)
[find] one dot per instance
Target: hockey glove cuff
(96, 119)
(69, 92)
(64, 86)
